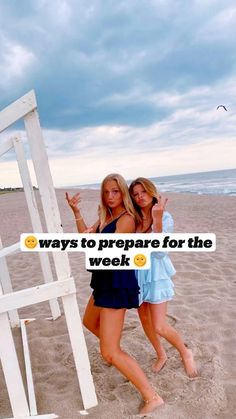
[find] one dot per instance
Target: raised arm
(73, 202)
(81, 226)
(162, 222)
(157, 214)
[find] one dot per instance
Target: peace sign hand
(73, 202)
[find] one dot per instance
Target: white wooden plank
(36, 294)
(35, 217)
(5, 251)
(11, 368)
(61, 260)
(6, 146)
(27, 184)
(79, 351)
(17, 110)
(40, 162)
(7, 287)
(28, 369)
(46, 189)
(53, 221)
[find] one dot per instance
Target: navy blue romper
(115, 288)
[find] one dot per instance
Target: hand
(89, 230)
(159, 208)
(73, 202)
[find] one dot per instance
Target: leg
(158, 315)
(111, 324)
(91, 319)
(146, 320)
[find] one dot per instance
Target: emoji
(140, 260)
(31, 242)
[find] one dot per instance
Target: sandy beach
(203, 311)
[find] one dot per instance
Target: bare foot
(189, 364)
(151, 404)
(159, 364)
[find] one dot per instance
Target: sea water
(219, 182)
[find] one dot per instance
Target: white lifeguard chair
(24, 406)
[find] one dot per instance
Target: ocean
(219, 182)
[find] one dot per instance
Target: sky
(130, 86)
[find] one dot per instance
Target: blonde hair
(148, 186)
(127, 201)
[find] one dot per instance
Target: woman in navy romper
(114, 291)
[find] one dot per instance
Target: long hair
(127, 201)
(148, 186)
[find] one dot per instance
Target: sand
(203, 311)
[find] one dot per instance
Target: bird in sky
(221, 106)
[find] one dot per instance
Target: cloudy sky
(129, 86)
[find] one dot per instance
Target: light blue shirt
(155, 283)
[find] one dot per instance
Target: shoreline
(93, 190)
(165, 192)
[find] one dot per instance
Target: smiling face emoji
(140, 260)
(31, 242)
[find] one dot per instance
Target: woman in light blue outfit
(156, 286)
(155, 283)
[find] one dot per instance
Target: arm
(81, 226)
(167, 227)
(162, 223)
(157, 214)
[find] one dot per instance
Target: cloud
(15, 62)
(92, 167)
(123, 78)
(221, 27)
(89, 55)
